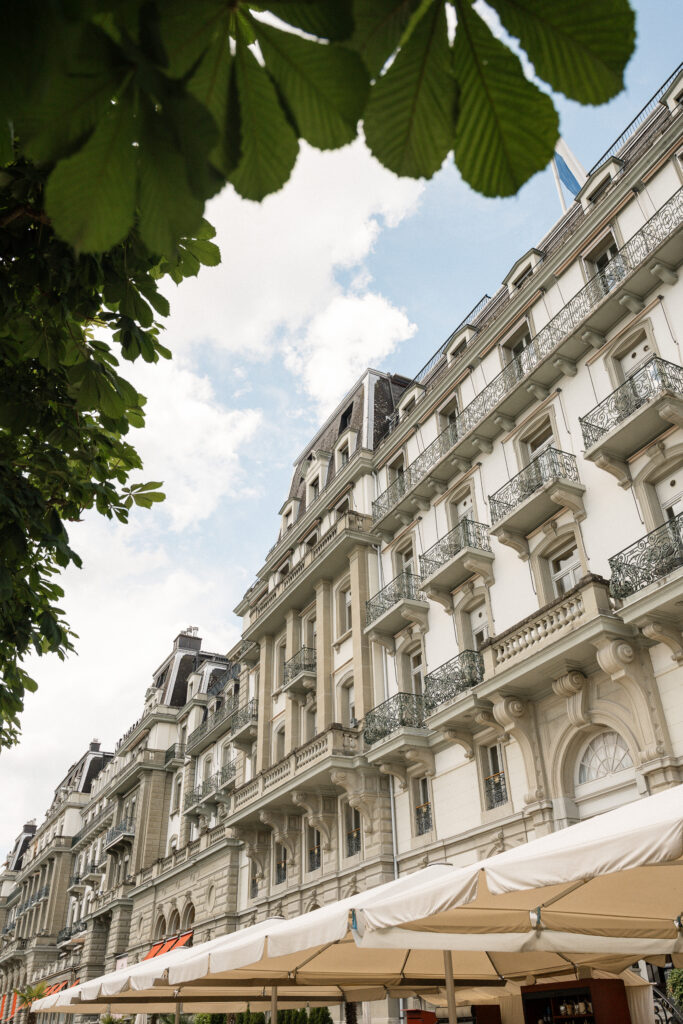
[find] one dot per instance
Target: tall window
(541, 438)
(315, 488)
(670, 494)
(314, 849)
(565, 570)
(280, 864)
(346, 610)
(415, 670)
(423, 807)
(604, 755)
(495, 789)
(479, 626)
(348, 710)
(406, 560)
(353, 830)
(177, 792)
(279, 745)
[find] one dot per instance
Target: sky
(346, 267)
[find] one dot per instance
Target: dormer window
(520, 281)
(598, 183)
(522, 270)
(345, 419)
(314, 489)
(343, 455)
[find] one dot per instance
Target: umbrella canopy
(609, 885)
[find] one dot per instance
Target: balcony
(423, 819)
(214, 790)
(402, 711)
(580, 324)
(248, 652)
(174, 756)
(13, 950)
(327, 558)
(548, 483)
(132, 769)
(92, 874)
(76, 884)
(244, 724)
(451, 680)
(495, 791)
(545, 645)
(633, 415)
(396, 605)
(463, 552)
(649, 560)
(310, 766)
(300, 672)
(120, 834)
(212, 727)
(93, 826)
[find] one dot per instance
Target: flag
(568, 171)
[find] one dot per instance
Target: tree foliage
(119, 120)
(674, 986)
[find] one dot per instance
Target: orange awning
(2, 1007)
(14, 1005)
(153, 951)
(167, 945)
(184, 939)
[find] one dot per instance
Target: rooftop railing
(650, 559)
(551, 464)
(654, 378)
(401, 710)
(633, 253)
(405, 586)
(467, 534)
(453, 678)
(303, 661)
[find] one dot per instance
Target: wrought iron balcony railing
(226, 773)
(453, 678)
(423, 819)
(125, 827)
(656, 377)
(303, 661)
(655, 231)
(405, 586)
(213, 720)
(217, 685)
(244, 715)
(403, 709)
(353, 842)
(495, 790)
(63, 935)
(314, 858)
(176, 752)
(193, 797)
(551, 464)
(650, 559)
(79, 926)
(467, 534)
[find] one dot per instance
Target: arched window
(174, 923)
(188, 917)
(161, 927)
(605, 755)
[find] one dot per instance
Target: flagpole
(559, 186)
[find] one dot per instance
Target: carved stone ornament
(573, 687)
(464, 739)
(517, 717)
(286, 830)
(256, 847)
(623, 663)
(320, 813)
(362, 789)
(665, 631)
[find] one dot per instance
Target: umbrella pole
(273, 1005)
(450, 986)
(177, 1012)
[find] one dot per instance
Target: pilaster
(362, 655)
(324, 623)
(265, 702)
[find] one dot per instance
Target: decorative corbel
(419, 616)
(565, 366)
(398, 771)
(617, 467)
(569, 498)
(485, 719)
(385, 641)
(255, 847)
(516, 717)
(572, 687)
(631, 302)
(593, 338)
(420, 762)
(362, 790)
(464, 739)
(622, 662)
(320, 813)
(484, 445)
(441, 596)
(283, 832)
(539, 391)
(671, 411)
(516, 541)
(665, 631)
(663, 271)
(504, 422)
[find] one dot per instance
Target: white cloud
(349, 334)
(280, 257)
(190, 440)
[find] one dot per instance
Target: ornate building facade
(467, 633)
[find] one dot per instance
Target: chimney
(95, 745)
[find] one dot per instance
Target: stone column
(152, 820)
(324, 637)
(265, 703)
(118, 939)
(293, 707)
(362, 655)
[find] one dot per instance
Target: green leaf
(410, 114)
(269, 145)
(63, 109)
(168, 208)
(207, 253)
(507, 128)
(581, 49)
(379, 29)
(325, 87)
(327, 19)
(188, 30)
(213, 84)
(90, 196)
